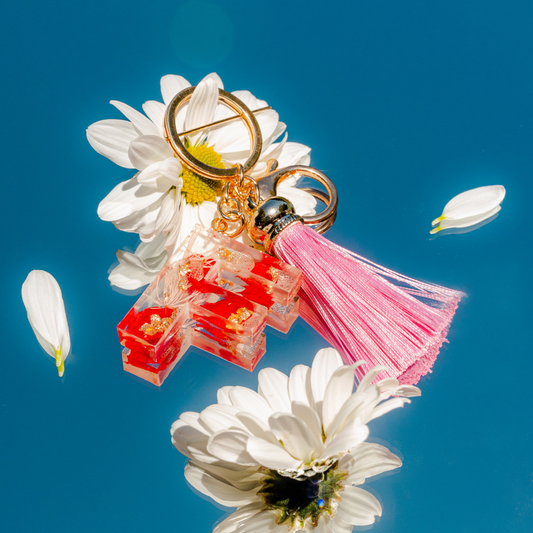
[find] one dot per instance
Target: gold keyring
(268, 184)
(206, 171)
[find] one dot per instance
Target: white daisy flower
(166, 198)
(289, 456)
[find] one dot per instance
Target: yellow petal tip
(435, 230)
(437, 220)
(60, 363)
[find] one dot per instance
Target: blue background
(405, 104)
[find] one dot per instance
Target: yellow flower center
(196, 189)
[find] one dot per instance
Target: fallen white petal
(46, 313)
(465, 222)
(470, 207)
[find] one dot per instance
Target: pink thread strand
(367, 311)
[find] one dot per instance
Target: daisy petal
(347, 439)
(358, 507)
(171, 85)
(336, 525)
(141, 123)
(233, 521)
(325, 363)
(155, 111)
(223, 395)
(137, 220)
(293, 154)
(270, 455)
(216, 78)
(129, 279)
(125, 199)
(46, 313)
(385, 407)
(300, 385)
(111, 138)
(201, 110)
(465, 222)
(370, 376)
(148, 149)
(297, 437)
(368, 460)
(250, 401)
(218, 490)
(474, 202)
(248, 478)
(261, 523)
(353, 408)
(338, 390)
(182, 433)
(219, 417)
(197, 448)
(273, 386)
(309, 416)
(470, 207)
(256, 427)
(230, 446)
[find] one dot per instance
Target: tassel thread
(366, 311)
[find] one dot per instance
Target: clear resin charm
(219, 298)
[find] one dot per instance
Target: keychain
(366, 311)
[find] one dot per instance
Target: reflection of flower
(140, 268)
(289, 455)
(46, 313)
(164, 198)
(470, 208)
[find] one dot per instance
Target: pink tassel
(368, 312)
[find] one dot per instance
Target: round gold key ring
(206, 171)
